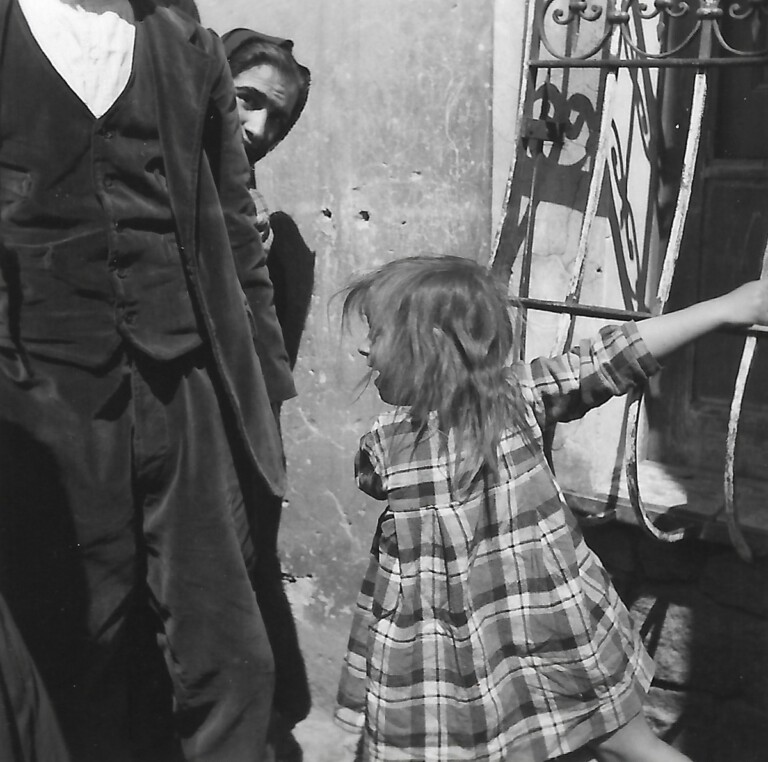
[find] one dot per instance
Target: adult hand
(745, 305)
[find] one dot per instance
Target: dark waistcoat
(88, 249)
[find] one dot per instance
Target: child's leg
(635, 742)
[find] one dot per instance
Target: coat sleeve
(231, 174)
(565, 388)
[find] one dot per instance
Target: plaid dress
(485, 628)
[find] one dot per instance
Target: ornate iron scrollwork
(672, 8)
(709, 20)
(577, 9)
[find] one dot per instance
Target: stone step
(677, 496)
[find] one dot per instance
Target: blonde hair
(444, 335)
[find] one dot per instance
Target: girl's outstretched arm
(744, 306)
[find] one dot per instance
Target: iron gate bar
(615, 313)
(647, 63)
(696, 119)
(729, 479)
(692, 143)
(536, 145)
(729, 509)
(566, 324)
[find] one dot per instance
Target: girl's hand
(746, 305)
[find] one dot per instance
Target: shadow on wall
(703, 614)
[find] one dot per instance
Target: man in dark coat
(140, 363)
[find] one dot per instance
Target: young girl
(485, 628)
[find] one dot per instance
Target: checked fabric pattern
(485, 628)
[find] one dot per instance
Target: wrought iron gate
(576, 47)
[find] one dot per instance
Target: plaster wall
(392, 156)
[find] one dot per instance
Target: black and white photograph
(383, 381)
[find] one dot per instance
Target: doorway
(725, 239)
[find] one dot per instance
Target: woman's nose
(256, 123)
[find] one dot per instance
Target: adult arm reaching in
(744, 306)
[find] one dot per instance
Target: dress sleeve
(564, 388)
(368, 468)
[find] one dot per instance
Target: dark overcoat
(207, 173)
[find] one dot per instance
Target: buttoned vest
(88, 250)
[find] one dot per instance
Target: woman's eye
(253, 100)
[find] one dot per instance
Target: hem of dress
(631, 704)
(349, 719)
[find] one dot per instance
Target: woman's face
(266, 99)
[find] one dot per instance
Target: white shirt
(92, 50)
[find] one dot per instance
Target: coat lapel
(183, 74)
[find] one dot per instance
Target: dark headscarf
(236, 39)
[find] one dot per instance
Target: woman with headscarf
(272, 89)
